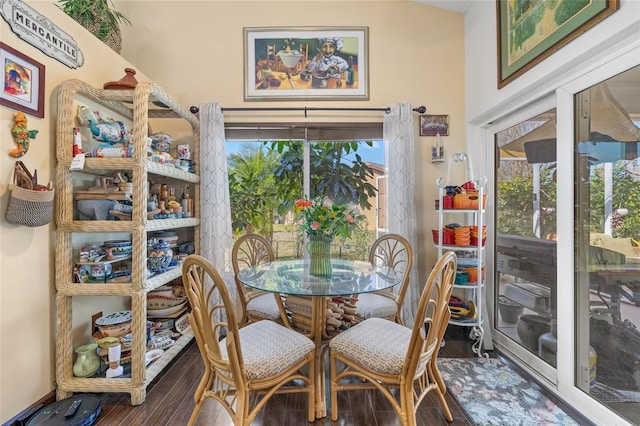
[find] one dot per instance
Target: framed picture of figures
(325, 63)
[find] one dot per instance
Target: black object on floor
(84, 412)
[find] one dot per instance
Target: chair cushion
(371, 305)
(269, 348)
(377, 344)
(264, 306)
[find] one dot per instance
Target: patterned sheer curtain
(401, 206)
(216, 237)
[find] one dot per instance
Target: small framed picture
(23, 82)
(432, 125)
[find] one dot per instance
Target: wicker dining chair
(394, 251)
(245, 366)
(381, 354)
(252, 250)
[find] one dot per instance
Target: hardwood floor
(170, 400)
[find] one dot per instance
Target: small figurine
(21, 135)
(114, 354)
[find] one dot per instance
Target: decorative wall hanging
(21, 135)
(432, 125)
(328, 63)
(40, 32)
(529, 32)
(23, 82)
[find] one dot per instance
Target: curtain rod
(420, 109)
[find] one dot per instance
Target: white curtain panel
(216, 237)
(401, 206)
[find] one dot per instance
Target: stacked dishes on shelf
(170, 237)
(113, 329)
(475, 235)
(118, 248)
(164, 306)
(463, 236)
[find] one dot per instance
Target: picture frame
(23, 82)
(281, 63)
(433, 125)
(523, 42)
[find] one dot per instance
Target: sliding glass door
(525, 237)
(566, 288)
(607, 242)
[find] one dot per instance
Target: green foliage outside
(253, 190)
(626, 192)
(337, 171)
(265, 181)
(514, 201)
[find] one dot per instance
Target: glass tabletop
(292, 277)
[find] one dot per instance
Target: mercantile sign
(39, 31)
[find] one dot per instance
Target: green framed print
(327, 63)
(531, 30)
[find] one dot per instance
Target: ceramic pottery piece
(87, 361)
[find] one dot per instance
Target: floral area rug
(492, 394)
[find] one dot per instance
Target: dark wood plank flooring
(170, 400)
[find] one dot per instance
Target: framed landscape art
(530, 31)
(23, 82)
(327, 63)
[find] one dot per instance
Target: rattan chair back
(382, 362)
(394, 251)
(250, 250)
(270, 364)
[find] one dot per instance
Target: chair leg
(204, 385)
(196, 411)
(445, 406)
(407, 407)
(437, 377)
(333, 385)
(311, 400)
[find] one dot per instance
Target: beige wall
(27, 255)
(416, 55)
(193, 49)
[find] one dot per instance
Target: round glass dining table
(292, 277)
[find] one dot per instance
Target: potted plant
(99, 17)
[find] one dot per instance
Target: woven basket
(29, 208)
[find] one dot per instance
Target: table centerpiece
(322, 221)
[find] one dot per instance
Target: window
(271, 167)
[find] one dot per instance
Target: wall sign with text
(40, 32)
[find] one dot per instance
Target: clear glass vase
(320, 255)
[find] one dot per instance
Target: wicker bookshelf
(146, 102)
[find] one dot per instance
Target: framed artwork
(23, 82)
(529, 32)
(433, 125)
(327, 63)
